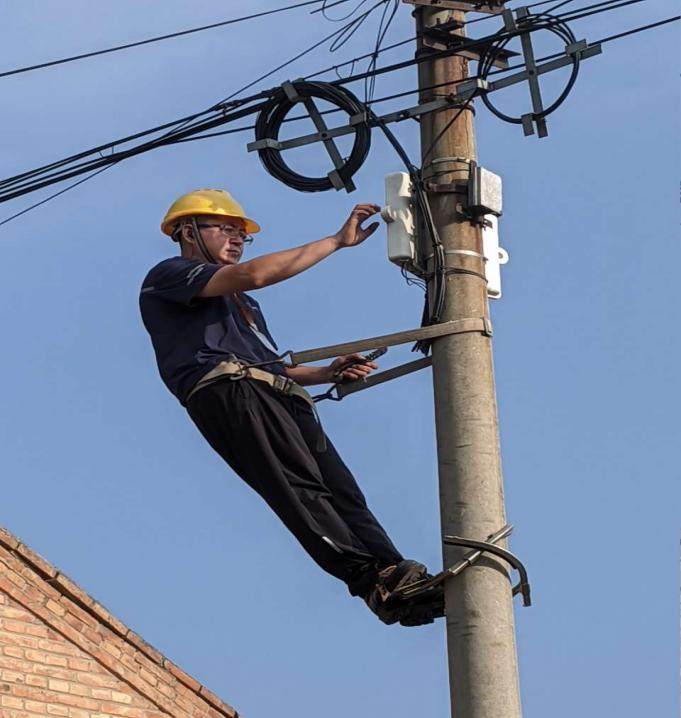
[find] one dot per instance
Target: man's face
(224, 237)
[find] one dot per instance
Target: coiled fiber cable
(273, 115)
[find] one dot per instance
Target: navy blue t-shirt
(191, 334)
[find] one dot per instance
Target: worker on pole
(217, 356)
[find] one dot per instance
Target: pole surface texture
(483, 670)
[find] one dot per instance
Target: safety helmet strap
(200, 242)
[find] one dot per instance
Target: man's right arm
(278, 266)
(268, 269)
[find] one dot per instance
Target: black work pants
(271, 442)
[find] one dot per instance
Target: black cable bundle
(273, 115)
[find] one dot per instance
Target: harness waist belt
(237, 371)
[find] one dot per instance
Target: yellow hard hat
(214, 202)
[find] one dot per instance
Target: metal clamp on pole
(522, 587)
(420, 588)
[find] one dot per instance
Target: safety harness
(235, 370)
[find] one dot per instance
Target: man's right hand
(352, 232)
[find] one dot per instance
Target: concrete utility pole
(483, 671)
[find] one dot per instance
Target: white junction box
(494, 255)
(398, 215)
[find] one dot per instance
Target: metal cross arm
(443, 37)
(325, 134)
(581, 48)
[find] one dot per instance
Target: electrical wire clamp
(443, 37)
(425, 586)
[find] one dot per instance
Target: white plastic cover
(399, 218)
(494, 255)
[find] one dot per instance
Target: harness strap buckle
(241, 374)
(282, 383)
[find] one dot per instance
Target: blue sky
(104, 474)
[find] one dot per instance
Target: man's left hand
(341, 369)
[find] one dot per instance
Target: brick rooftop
(63, 654)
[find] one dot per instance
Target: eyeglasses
(229, 231)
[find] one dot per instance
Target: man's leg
(249, 425)
(352, 507)
(348, 498)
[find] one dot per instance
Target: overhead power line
(159, 38)
(52, 196)
(479, 42)
(635, 30)
(175, 134)
(183, 122)
(356, 23)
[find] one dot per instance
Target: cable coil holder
(272, 116)
(420, 588)
(523, 24)
(361, 121)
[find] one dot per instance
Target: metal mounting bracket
(522, 587)
(441, 37)
(491, 7)
(580, 49)
(419, 588)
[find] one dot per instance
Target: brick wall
(44, 675)
(63, 654)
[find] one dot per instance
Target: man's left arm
(346, 368)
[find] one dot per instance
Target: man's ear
(187, 233)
